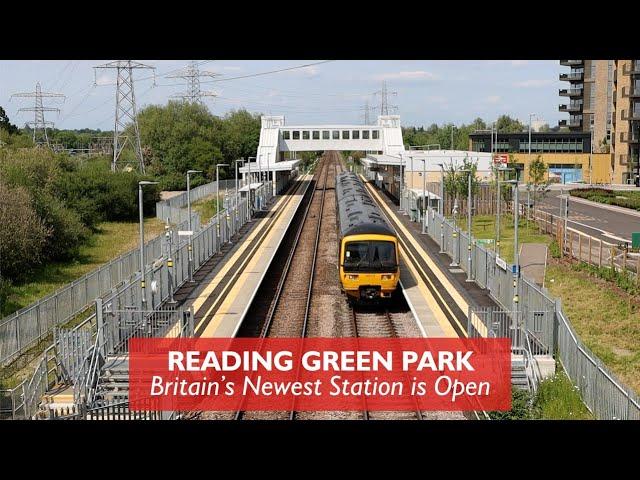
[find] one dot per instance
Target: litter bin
(635, 240)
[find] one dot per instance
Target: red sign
(502, 158)
(313, 374)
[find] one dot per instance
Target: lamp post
(237, 186)
(516, 260)
(189, 247)
(141, 184)
(170, 269)
(425, 201)
(452, 128)
(469, 200)
(441, 207)
(531, 115)
(401, 185)
(498, 208)
(218, 203)
(411, 177)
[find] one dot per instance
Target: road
(604, 224)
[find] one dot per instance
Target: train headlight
(352, 277)
(386, 276)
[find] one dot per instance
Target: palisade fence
(174, 209)
(23, 400)
(544, 320)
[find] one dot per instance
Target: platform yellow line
(241, 280)
(464, 306)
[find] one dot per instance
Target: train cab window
(365, 134)
(355, 134)
(382, 255)
(296, 135)
(305, 134)
(316, 134)
(374, 134)
(325, 135)
(356, 255)
(335, 134)
(345, 134)
(286, 135)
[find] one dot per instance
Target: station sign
(185, 233)
(501, 263)
(501, 159)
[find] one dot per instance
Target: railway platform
(222, 298)
(439, 297)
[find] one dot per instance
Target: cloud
(533, 83)
(230, 68)
(310, 71)
(406, 76)
(492, 99)
(519, 63)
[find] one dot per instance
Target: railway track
(289, 312)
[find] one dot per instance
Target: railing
(30, 325)
(546, 329)
(174, 207)
(22, 401)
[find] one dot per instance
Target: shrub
(23, 236)
(520, 407)
(554, 249)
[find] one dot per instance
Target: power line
(192, 75)
(269, 72)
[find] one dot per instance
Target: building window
(325, 135)
(345, 134)
(335, 134)
(316, 134)
(355, 134)
(365, 134)
(286, 135)
(305, 134)
(296, 135)
(375, 134)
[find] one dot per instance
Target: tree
(5, 124)
(456, 179)
(538, 180)
(506, 124)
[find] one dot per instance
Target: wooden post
(600, 254)
(590, 237)
(612, 253)
(624, 260)
(579, 247)
(570, 244)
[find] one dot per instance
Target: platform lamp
(516, 259)
(141, 213)
(441, 207)
(189, 247)
(499, 201)
(218, 202)
(241, 160)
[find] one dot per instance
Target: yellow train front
(368, 255)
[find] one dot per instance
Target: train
(368, 260)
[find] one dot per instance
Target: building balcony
(630, 115)
(570, 123)
(630, 137)
(629, 160)
(571, 63)
(572, 77)
(570, 108)
(571, 92)
(632, 69)
(630, 92)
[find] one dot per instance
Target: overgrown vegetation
(627, 199)
(625, 280)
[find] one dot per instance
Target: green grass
(620, 198)
(206, 208)
(558, 399)
(606, 318)
(483, 227)
(110, 240)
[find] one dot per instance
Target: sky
(334, 92)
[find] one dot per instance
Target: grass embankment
(483, 227)
(556, 399)
(620, 198)
(605, 316)
(110, 240)
(207, 208)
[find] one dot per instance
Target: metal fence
(22, 401)
(174, 207)
(26, 327)
(547, 327)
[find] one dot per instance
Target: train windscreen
(369, 256)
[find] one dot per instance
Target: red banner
(320, 374)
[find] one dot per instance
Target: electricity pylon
(39, 124)
(192, 74)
